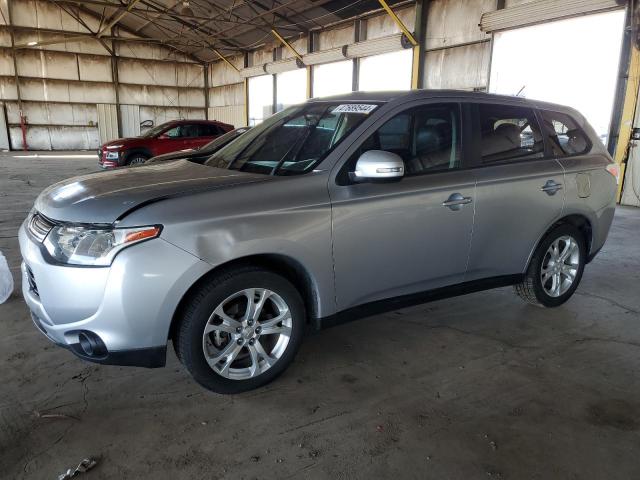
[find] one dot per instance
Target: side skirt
(404, 301)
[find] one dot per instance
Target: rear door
(519, 192)
(397, 238)
(199, 134)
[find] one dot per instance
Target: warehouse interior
(477, 386)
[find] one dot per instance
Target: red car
(168, 137)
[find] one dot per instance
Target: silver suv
(327, 211)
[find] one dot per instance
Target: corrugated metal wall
(233, 115)
(226, 92)
(107, 121)
(61, 84)
(130, 118)
(4, 132)
(458, 53)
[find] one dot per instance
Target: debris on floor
(84, 466)
(6, 280)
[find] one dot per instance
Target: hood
(127, 141)
(104, 197)
(188, 153)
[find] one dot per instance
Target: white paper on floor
(6, 280)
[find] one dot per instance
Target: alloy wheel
(247, 333)
(560, 266)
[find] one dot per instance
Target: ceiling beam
(116, 20)
(177, 18)
(141, 38)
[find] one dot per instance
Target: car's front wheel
(136, 159)
(555, 269)
(240, 330)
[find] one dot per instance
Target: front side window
(564, 135)
(294, 140)
(509, 133)
(155, 131)
(174, 132)
(427, 138)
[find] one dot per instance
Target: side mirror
(378, 165)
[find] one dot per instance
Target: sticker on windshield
(364, 108)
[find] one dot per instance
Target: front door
(519, 194)
(169, 141)
(402, 237)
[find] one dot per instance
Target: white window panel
(332, 78)
(291, 88)
(260, 98)
(563, 62)
(389, 71)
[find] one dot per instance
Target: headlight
(112, 155)
(93, 246)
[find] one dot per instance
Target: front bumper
(126, 308)
(106, 163)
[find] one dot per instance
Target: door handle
(551, 187)
(456, 201)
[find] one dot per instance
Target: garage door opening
(389, 71)
(332, 78)
(573, 62)
(260, 98)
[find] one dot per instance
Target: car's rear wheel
(240, 330)
(555, 269)
(136, 159)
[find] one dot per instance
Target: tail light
(614, 169)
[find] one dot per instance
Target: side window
(190, 130)
(427, 138)
(209, 130)
(509, 133)
(173, 132)
(564, 135)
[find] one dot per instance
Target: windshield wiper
(295, 148)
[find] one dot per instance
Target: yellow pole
(414, 68)
(402, 26)
(225, 60)
(628, 114)
(412, 40)
(286, 44)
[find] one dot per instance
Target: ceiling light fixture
(186, 10)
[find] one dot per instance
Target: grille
(32, 282)
(39, 227)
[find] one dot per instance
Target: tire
(557, 286)
(136, 159)
(220, 306)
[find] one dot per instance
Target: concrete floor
(480, 386)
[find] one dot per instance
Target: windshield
(222, 140)
(294, 140)
(155, 131)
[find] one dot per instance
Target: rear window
(509, 133)
(207, 130)
(564, 135)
